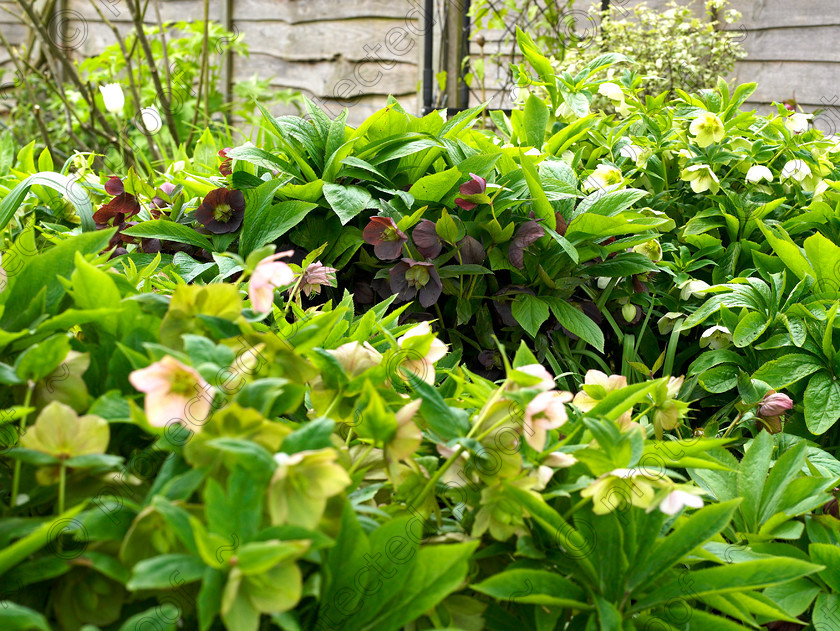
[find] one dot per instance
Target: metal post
(428, 56)
(464, 96)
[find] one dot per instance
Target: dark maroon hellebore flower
(122, 203)
(472, 252)
(526, 234)
(387, 240)
(426, 239)
(222, 210)
(224, 167)
(476, 186)
(410, 278)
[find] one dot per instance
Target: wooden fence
(343, 52)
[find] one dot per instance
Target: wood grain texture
(818, 43)
(170, 10)
(330, 78)
(813, 83)
(300, 11)
(354, 39)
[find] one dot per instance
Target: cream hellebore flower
(638, 155)
(676, 500)
(796, 169)
(423, 367)
(545, 411)
(612, 91)
(691, 288)
(536, 370)
(759, 172)
(355, 358)
(701, 177)
(715, 338)
(174, 392)
(4, 277)
(151, 119)
(603, 177)
(707, 128)
(651, 249)
(667, 322)
(269, 275)
(560, 460)
(113, 97)
(620, 488)
(596, 386)
(798, 123)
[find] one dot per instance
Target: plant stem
(360, 459)
(16, 478)
(62, 483)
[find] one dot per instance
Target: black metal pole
(464, 95)
(428, 56)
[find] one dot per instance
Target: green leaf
(530, 312)
(258, 157)
(15, 553)
(618, 402)
(534, 587)
(611, 203)
(752, 477)
(785, 469)
(169, 231)
(826, 610)
(735, 577)
(787, 369)
(346, 201)
(158, 572)
(829, 556)
(535, 121)
(268, 223)
(62, 184)
(692, 533)
(822, 403)
(576, 321)
(433, 188)
(749, 329)
(447, 422)
(14, 617)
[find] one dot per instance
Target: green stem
(360, 459)
(16, 478)
(62, 484)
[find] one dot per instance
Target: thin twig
(202, 79)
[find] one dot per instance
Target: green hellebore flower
(62, 433)
(301, 486)
(707, 128)
(620, 488)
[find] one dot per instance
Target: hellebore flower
(676, 500)
(560, 460)
(701, 178)
(715, 338)
(546, 379)
(771, 409)
(158, 202)
(422, 366)
(122, 203)
(224, 167)
(528, 233)
(222, 210)
(472, 252)
(410, 278)
(426, 239)
(667, 322)
(173, 392)
(270, 274)
(151, 119)
(60, 432)
(546, 411)
(387, 240)
(638, 155)
(796, 169)
(650, 249)
(408, 437)
(707, 128)
(603, 177)
(301, 485)
(316, 275)
(620, 487)
(596, 386)
(798, 123)
(759, 172)
(355, 358)
(476, 186)
(612, 91)
(113, 97)
(691, 288)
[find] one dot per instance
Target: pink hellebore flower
(538, 371)
(174, 392)
(772, 408)
(677, 500)
(596, 386)
(269, 274)
(475, 186)
(423, 367)
(545, 411)
(316, 275)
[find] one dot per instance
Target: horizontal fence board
(778, 14)
(299, 11)
(351, 39)
(814, 83)
(170, 11)
(793, 44)
(358, 110)
(325, 78)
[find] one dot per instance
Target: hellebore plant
(387, 240)
(222, 210)
(175, 393)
